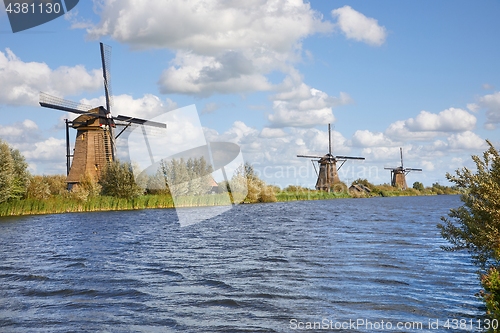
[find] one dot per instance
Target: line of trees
(179, 177)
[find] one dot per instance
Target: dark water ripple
(252, 269)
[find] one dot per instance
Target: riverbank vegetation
(118, 188)
(475, 226)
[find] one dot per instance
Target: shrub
(363, 182)
(86, 189)
(57, 184)
(491, 294)
(245, 185)
(339, 187)
(296, 189)
(38, 188)
(268, 193)
(475, 226)
(117, 180)
(418, 186)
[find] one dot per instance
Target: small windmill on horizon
(328, 172)
(95, 143)
(398, 175)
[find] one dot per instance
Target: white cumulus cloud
(299, 105)
(355, 25)
(146, 107)
(20, 133)
(449, 120)
(491, 103)
(427, 125)
(366, 138)
(221, 46)
(209, 27)
(49, 149)
(466, 140)
(22, 81)
(272, 133)
(205, 75)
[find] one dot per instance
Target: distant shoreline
(61, 205)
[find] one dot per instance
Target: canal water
(346, 265)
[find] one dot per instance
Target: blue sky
(269, 76)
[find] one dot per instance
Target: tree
(6, 172)
(117, 180)
(418, 186)
(14, 175)
(21, 174)
(475, 226)
(246, 186)
(185, 178)
(38, 188)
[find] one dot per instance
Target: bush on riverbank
(117, 180)
(475, 226)
(491, 293)
(246, 180)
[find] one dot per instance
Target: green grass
(63, 204)
(309, 195)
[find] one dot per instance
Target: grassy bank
(284, 196)
(376, 191)
(62, 204)
(56, 204)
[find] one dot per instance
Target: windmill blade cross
(413, 169)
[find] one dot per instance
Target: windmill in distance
(328, 172)
(398, 175)
(95, 144)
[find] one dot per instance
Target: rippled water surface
(256, 268)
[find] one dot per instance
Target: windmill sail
(106, 66)
(53, 102)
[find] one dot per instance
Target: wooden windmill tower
(398, 175)
(328, 171)
(95, 145)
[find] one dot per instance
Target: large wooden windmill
(95, 144)
(398, 175)
(328, 172)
